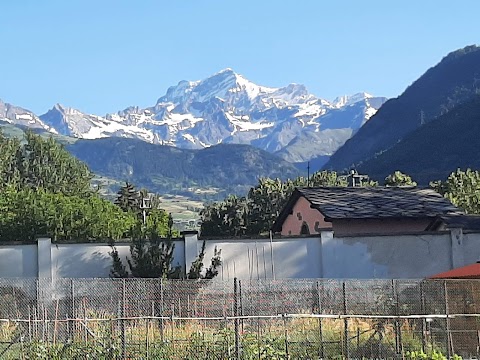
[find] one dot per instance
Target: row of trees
(255, 213)
(45, 190)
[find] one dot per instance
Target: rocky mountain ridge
(224, 108)
(455, 80)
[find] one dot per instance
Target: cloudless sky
(100, 56)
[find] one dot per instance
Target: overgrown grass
(284, 338)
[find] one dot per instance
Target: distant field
(185, 210)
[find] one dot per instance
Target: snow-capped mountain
(18, 116)
(227, 108)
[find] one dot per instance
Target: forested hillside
(455, 80)
(435, 149)
(164, 169)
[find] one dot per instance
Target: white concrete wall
(405, 256)
(471, 248)
(402, 256)
(18, 261)
(252, 259)
(93, 260)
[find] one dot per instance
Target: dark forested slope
(435, 149)
(455, 80)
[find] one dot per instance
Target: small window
(304, 230)
(299, 216)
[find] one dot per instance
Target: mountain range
(454, 81)
(224, 108)
(226, 132)
(435, 149)
(229, 168)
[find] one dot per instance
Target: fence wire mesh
(261, 319)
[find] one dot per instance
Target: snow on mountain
(228, 108)
(22, 117)
(72, 122)
(346, 100)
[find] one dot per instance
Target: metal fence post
(445, 290)
(345, 322)
(235, 314)
(398, 335)
(240, 303)
(161, 311)
(71, 323)
(422, 305)
(122, 321)
(320, 310)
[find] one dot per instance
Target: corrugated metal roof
(377, 202)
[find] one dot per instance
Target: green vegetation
(293, 339)
(462, 188)
(229, 168)
(399, 179)
(44, 190)
(152, 246)
(256, 213)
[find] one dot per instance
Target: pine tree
(197, 267)
(149, 257)
(128, 198)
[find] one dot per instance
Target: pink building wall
(302, 212)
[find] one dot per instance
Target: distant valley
(206, 139)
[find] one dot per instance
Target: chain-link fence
(265, 319)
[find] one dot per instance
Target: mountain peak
(59, 107)
(64, 110)
(226, 74)
(226, 70)
(346, 100)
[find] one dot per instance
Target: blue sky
(101, 56)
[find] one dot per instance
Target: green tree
(327, 178)
(26, 213)
(152, 257)
(399, 179)
(256, 213)
(128, 198)
(45, 190)
(226, 218)
(462, 188)
(197, 270)
(149, 257)
(266, 201)
(11, 161)
(45, 164)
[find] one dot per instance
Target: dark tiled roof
(466, 222)
(377, 202)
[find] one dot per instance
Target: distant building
(363, 210)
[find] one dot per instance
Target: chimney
(355, 179)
